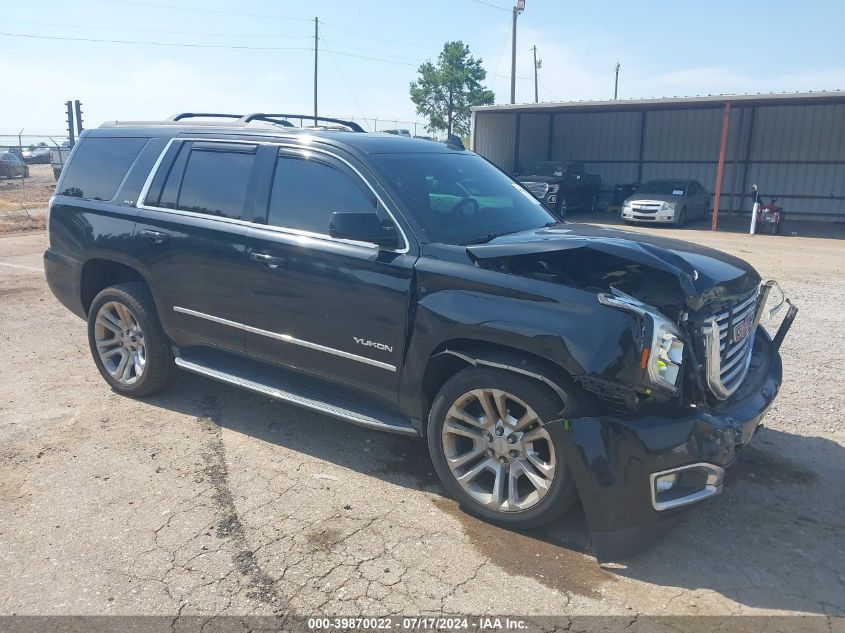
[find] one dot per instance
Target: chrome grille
(646, 207)
(729, 339)
(539, 189)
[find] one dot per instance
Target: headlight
(666, 355)
(667, 206)
(663, 357)
(553, 188)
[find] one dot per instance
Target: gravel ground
(23, 203)
(208, 500)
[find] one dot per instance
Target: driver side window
(306, 191)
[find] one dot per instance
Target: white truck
(58, 158)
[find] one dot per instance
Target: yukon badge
(366, 343)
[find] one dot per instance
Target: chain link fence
(30, 161)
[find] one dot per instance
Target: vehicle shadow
(772, 540)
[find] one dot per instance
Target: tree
(445, 91)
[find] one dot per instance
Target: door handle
(155, 237)
(268, 261)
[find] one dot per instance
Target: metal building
(791, 145)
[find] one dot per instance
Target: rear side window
(213, 182)
(306, 192)
(99, 166)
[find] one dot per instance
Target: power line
(491, 5)
(199, 10)
(121, 28)
(365, 50)
(553, 95)
(152, 43)
(195, 45)
(349, 89)
(372, 37)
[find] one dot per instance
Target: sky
(257, 55)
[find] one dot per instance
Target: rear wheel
(129, 347)
(682, 217)
(492, 451)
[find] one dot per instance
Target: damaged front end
(690, 384)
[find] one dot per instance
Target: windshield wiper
(486, 238)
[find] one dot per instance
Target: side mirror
(362, 227)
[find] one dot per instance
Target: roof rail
(260, 116)
(194, 115)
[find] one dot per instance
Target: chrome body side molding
(287, 338)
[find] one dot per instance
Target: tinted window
(306, 192)
(460, 198)
(215, 182)
(664, 187)
(99, 166)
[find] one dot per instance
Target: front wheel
(128, 345)
(492, 450)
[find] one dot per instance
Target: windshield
(546, 168)
(460, 198)
(664, 187)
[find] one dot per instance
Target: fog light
(552, 199)
(664, 483)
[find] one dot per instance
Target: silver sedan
(667, 201)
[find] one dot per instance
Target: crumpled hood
(703, 274)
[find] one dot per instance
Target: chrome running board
(267, 383)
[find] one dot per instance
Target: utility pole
(518, 8)
(70, 126)
(77, 106)
(537, 66)
(616, 83)
(316, 46)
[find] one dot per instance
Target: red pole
(720, 170)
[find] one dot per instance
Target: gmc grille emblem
(366, 343)
(743, 328)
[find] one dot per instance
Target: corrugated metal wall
(796, 152)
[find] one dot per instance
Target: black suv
(413, 287)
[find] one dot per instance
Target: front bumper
(614, 459)
(632, 215)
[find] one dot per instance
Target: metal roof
(709, 101)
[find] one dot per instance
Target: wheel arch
(99, 273)
(455, 355)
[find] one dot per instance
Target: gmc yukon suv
(413, 287)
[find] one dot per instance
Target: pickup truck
(413, 287)
(58, 158)
(562, 186)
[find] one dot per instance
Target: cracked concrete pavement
(207, 500)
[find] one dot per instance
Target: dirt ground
(207, 500)
(23, 202)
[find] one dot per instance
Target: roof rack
(273, 118)
(194, 115)
(278, 119)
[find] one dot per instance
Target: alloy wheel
(120, 342)
(498, 451)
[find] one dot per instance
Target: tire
(123, 321)
(531, 505)
(594, 201)
(682, 218)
